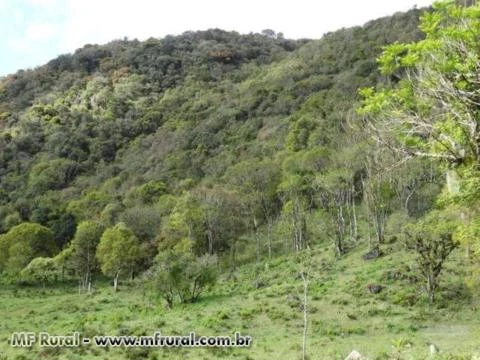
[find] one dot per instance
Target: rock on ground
(355, 355)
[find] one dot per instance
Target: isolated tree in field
(84, 247)
(117, 252)
(432, 239)
(23, 243)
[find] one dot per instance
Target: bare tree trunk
(257, 239)
(210, 240)
(115, 281)
(269, 239)
(305, 314)
(355, 226)
(233, 255)
(431, 287)
(340, 231)
(370, 244)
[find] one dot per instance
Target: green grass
(397, 323)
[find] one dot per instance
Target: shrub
(183, 276)
(41, 270)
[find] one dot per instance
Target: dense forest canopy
(236, 147)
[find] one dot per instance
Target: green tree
(222, 211)
(118, 251)
(432, 108)
(147, 193)
(186, 221)
(294, 207)
(143, 220)
(336, 192)
(89, 206)
(84, 247)
(52, 174)
(257, 182)
(432, 239)
(23, 243)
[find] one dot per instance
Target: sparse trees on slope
(257, 182)
(223, 218)
(336, 192)
(292, 189)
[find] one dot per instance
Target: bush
(22, 244)
(181, 276)
(41, 270)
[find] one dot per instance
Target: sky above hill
(33, 32)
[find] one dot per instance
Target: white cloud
(18, 16)
(41, 32)
(43, 3)
(33, 41)
(97, 21)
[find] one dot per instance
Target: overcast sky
(33, 32)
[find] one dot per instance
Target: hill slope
(245, 148)
(343, 315)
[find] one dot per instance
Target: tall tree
(84, 247)
(336, 196)
(118, 251)
(432, 108)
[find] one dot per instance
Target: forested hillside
(130, 130)
(173, 163)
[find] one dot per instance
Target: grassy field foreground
(397, 323)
